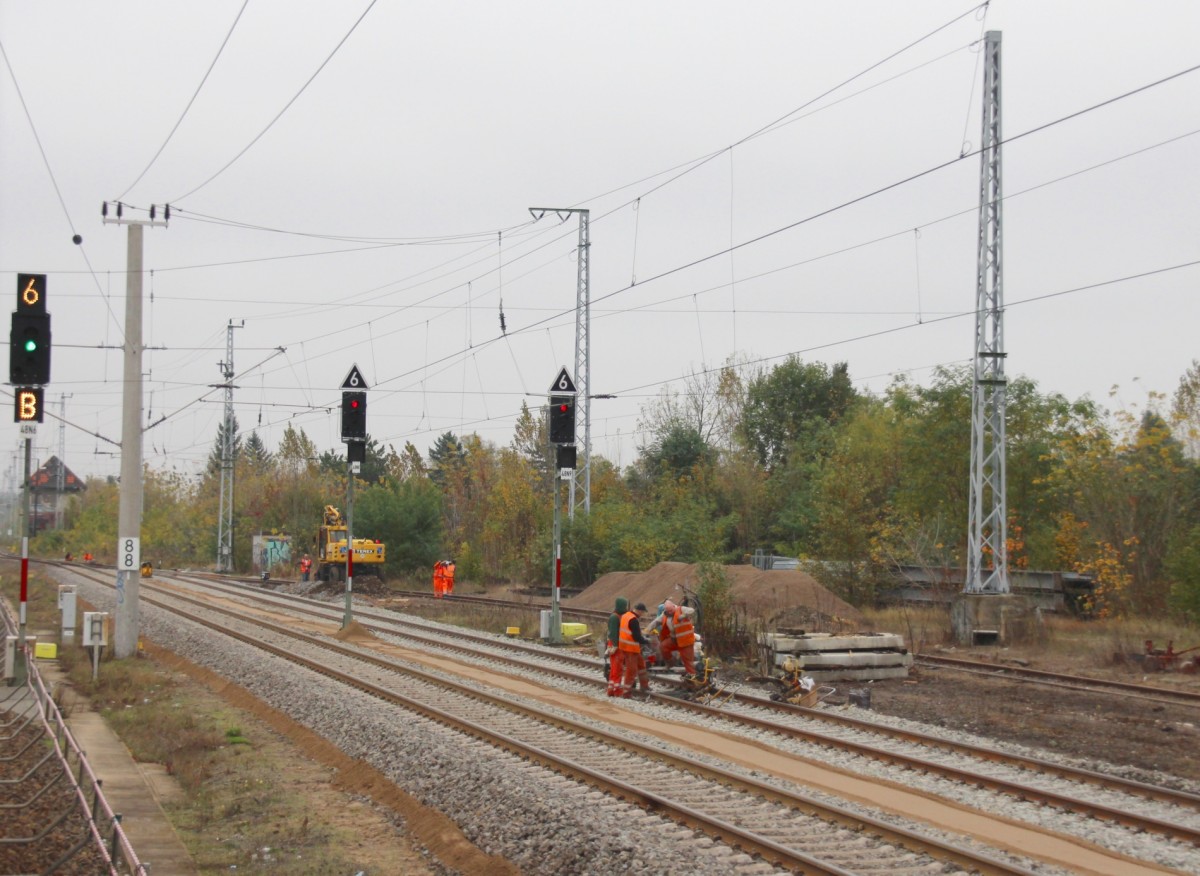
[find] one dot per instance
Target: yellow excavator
(369, 554)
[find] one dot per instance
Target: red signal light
(354, 403)
(562, 419)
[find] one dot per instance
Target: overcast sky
(381, 216)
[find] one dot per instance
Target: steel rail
(1153, 693)
(1011, 788)
(739, 837)
(985, 753)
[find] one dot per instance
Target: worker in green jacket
(616, 661)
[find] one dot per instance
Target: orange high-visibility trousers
(616, 672)
(687, 655)
(635, 671)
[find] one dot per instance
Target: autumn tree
(406, 516)
(1129, 490)
(217, 454)
(791, 403)
(1185, 411)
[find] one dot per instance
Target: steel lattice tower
(583, 358)
(225, 514)
(987, 564)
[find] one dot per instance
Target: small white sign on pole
(128, 554)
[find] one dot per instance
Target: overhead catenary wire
(1086, 287)
(782, 119)
(697, 163)
(635, 390)
(866, 196)
(842, 205)
(970, 210)
(76, 238)
(191, 101)
(694, 306)
(286, 107)
(463, 422)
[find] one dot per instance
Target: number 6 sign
(128, 554)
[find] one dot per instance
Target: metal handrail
(54, 723)
(113, 848)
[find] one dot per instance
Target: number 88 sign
(128, 554)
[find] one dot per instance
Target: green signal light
(30, 345)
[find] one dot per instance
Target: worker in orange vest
(439, 579)
(615, 665)
(679, 635)
(448, 577)
(305, 567)
(630, 644)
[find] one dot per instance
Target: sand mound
(781, 599)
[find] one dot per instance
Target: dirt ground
(30, 775)
(782, 599)
(1146, 735)
(379, 843)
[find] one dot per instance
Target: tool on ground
(794, 687)
(1160, 660)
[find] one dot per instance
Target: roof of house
(46, 478)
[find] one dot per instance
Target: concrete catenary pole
(129, 513)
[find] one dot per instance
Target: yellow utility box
(512, 631)
(571, 631)
(45, 651)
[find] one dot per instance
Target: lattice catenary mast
(583, 358)
(225, 515)
(987, 562)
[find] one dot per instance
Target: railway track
(1151, 693)
(782, 825)
(906, 749)
(583, 670)
(525, 658)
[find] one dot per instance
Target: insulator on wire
(167, 213)
(104, 209)
(120, 207)
(151, 212)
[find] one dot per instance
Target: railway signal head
(29, 349)
(562, 419)
(354, 416)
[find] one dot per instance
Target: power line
(912, 325)
(195, 94)
(424, 240)
(814, 216)
(76, 238)
(286, 106)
